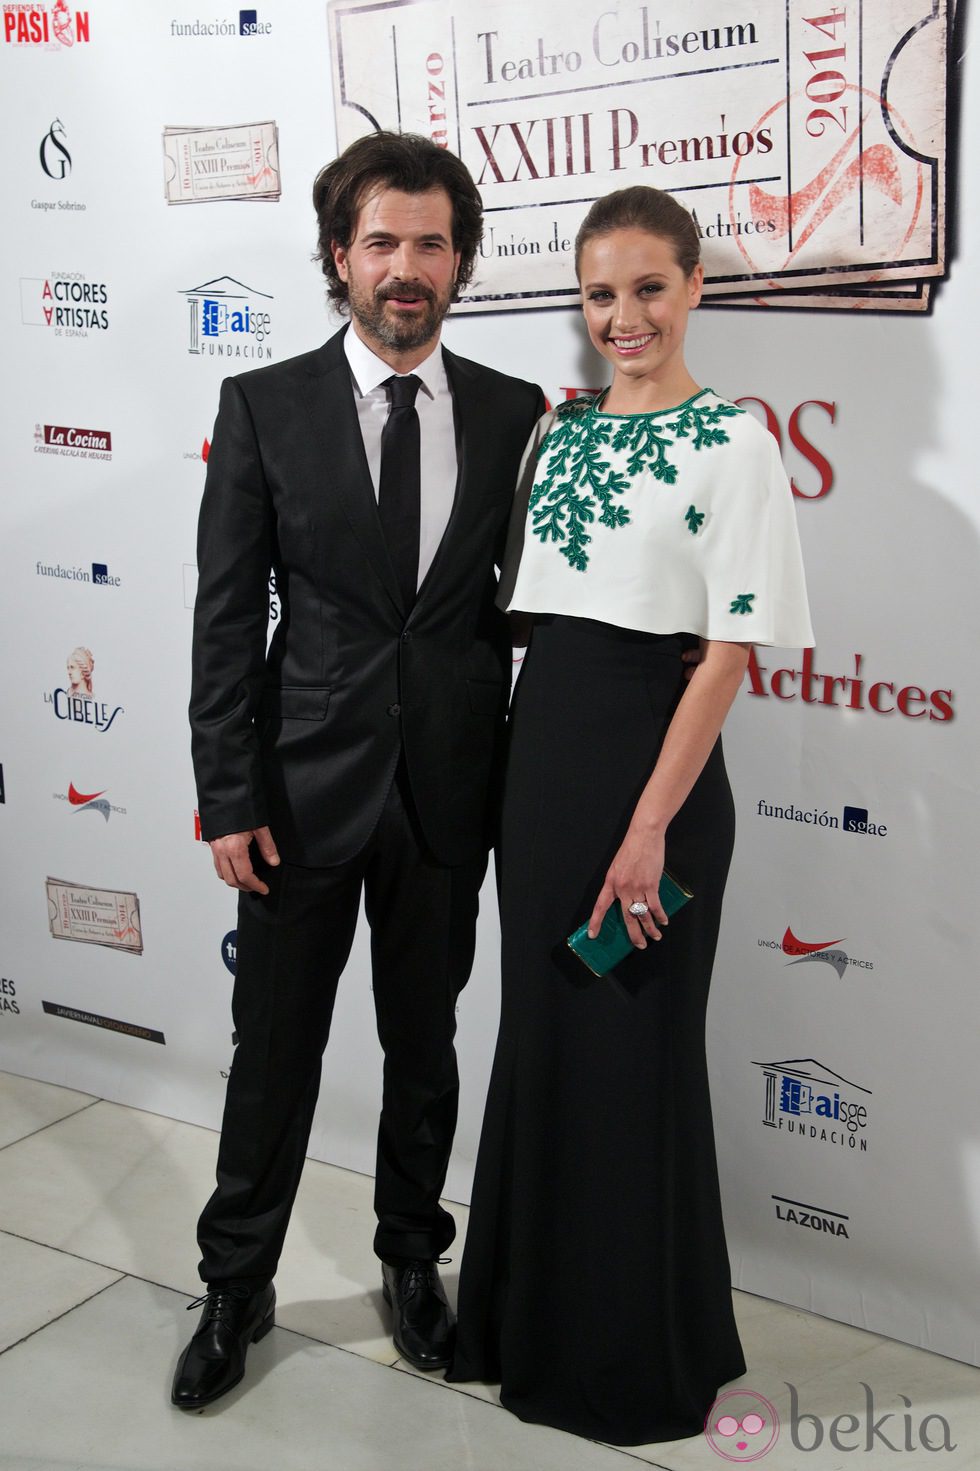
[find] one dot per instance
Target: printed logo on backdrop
(246, 23)
(75, 700)
(56, 163)
(53, 27)
(75, 444)
(91, 916)
(852, 820)
(811, 1217)
(855, 691)
(239, 161)
(200, 456)
(87, 802)
(805, 1098)
(99, 576)
(815, 952)
(229, 951)
(227, 319)
(8, 997)
(65, 302)
(107, 1023)
(813, 144)
(55, 158)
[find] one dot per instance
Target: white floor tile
(38, 1284)
(27, 1105)
(120, 1187)
(91, 1392)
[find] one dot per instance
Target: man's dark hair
(404, 161)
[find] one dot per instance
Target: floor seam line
(34, 1331)
(478, 1399)
(34, 1132)
(179, 1291)
(92, 1261)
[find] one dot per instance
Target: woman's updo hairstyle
(642, 208)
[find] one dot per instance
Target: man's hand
(232, 863)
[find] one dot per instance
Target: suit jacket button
(406, 637)
(394, 709)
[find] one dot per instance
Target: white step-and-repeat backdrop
(158, 163)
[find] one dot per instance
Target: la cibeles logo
(75, 700)
(229, 951)
(227, 319)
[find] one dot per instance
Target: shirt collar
(369, 371)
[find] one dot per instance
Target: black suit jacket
(306, 738)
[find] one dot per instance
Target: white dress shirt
(434, 406)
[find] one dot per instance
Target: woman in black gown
(595, 1282)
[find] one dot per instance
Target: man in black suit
(374, 476)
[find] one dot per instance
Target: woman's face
(74, 673)
(636, 301)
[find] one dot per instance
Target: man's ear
(339, 253)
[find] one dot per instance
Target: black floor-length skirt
(595, 1283)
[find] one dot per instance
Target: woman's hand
(634, 874)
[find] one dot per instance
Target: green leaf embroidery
(649, 449)
(694, 520)
(580, 481)
(699, 421)
(743, 603)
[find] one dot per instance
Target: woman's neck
(647, 395)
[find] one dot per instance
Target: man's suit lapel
(330, 400)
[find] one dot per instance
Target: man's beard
(399, 334)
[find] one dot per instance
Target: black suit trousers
(293, 945)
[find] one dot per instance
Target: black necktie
(399, 485)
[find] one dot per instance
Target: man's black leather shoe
(214, 1360)
(425, 1324)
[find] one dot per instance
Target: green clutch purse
(612, 944)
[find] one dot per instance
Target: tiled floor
(97, 1259)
